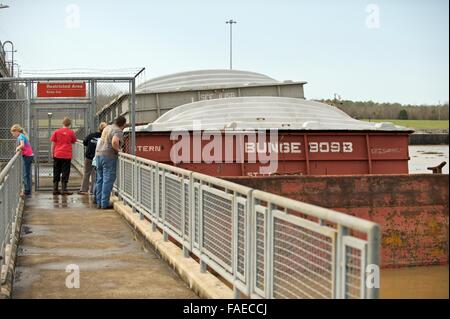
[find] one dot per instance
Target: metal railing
(266, 246)
(3, 65)
(78, 153)
(10, 188)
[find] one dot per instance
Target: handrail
(317, 211)
(240, 232)
(249, 237)
(10, 187)
(8, 166)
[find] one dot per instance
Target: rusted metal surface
(301, 153)
(412, 210)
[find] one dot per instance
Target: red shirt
(63, 138)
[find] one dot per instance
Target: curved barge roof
(205, 79)
(261, 112)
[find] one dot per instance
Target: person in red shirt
(62, 139)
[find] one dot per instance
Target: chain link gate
(39, 105)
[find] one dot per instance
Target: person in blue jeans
(23, 145)
(106, 155)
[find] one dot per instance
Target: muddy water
(415, 282)
(423, 156)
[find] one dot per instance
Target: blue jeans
(106, 176)
(27, 160)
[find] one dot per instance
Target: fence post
(157, 192)
(202, 266)
(373, 258)
(236, 293)
(269, 252)
(186, 253)
(234, 241)
(163, 204)
(339, 274)
(249, 253)
(133, 185)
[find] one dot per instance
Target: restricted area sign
(61, 89)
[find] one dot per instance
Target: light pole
(231, 22)
(12, 55)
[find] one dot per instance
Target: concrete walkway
(58, 231)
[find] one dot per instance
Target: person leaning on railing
(106, 154)
(90, 142)
(24, 146)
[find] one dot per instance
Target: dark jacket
(91, 143)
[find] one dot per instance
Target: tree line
(374, 110)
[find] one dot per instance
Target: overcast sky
(386, 51)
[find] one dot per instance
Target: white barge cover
(262, 112)
(206, 79)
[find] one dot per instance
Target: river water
(423, 156)
(415, 282)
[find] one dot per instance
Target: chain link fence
(13, 110)
(40, 108)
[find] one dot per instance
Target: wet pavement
(61, 234)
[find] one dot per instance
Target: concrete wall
(411, 209)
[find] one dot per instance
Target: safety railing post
(138, 188)
(203, 266)
(339, 275)
(236, 293)
(186, 253)
(249, 253)
(3, 220)
(122, 181)
(269, 252)
(133, 185)
(192, 204)
(234, 242)
(157, 196)
(373, 261)
(186, 222)
(8, 202)
(163, 204)
(200, 226)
